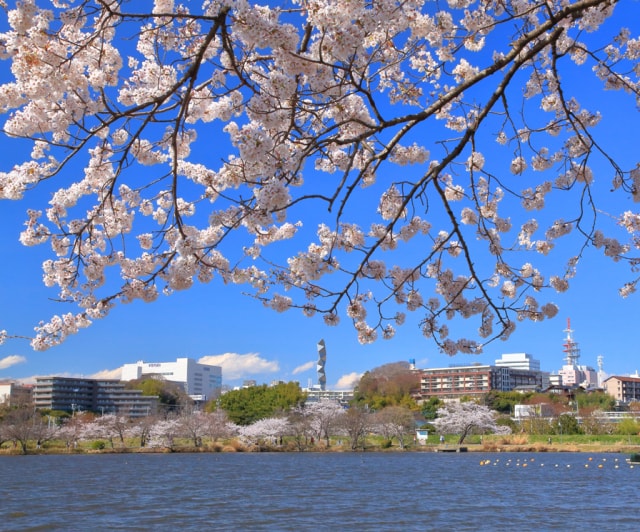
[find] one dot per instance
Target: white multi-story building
(525, 362)
(200, 381)
(519, 361)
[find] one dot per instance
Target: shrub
(514, 439)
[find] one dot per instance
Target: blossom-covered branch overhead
(343, 157)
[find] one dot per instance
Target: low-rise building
(101, 396)
(521, 412)
(316, 393)
(12, 393)
(623, 389)
(457, 381)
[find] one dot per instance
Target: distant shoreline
(451, 448)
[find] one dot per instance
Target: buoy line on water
(529, 462)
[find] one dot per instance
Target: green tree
(248, 405)
(568, 424)
(537, 424)
(388, 385)
(595, 401)
(628, 426)
(58, 416)
(504, 402)
(431, 406)
(170, 394)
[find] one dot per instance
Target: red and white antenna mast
(570, 346)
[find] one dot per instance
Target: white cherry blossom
(316, 148)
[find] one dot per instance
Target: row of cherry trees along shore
(302, 427)
(282, 416)
(309, 426)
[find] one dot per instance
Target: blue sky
(215, 323)
(215, 320)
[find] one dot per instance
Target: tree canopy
(388, 385)
(595, 401)
(358, 159)
(504, 402)
(170, 394)
(467, 418)
(248, 405)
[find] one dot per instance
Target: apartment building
(93, 395)
(623, 389)
(457, 381)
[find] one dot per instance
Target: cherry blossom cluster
(366, 160)
(264, 429)
(465, 418)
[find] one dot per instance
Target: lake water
(320, 491)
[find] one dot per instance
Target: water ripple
(315, 491)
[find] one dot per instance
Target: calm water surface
(328, 491)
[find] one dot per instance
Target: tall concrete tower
(322, 359)
(602, 375)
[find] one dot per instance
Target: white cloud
(304, 367)
(11, 360)
(113, 374)
(108, 374)
(236, 366)
(348, 381)
(32, 379)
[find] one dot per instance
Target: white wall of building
(198, 379)
(519, 361)
(5, 392)
(528, 411)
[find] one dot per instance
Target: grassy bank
(497, 444)
(605, 443)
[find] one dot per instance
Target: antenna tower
(570, 346)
